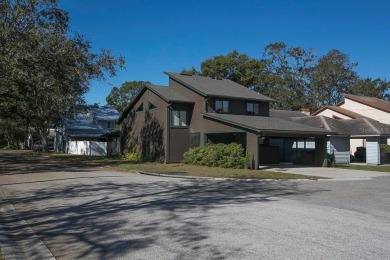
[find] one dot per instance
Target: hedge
(218, 155)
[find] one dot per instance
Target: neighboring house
(86, 132)
(162, 123)
(354, 107)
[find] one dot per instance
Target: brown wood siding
(199, 107)
(238, 106)
(179, 143)
(131, 128)
(251, 148)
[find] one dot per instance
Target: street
(96, 213)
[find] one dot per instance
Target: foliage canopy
(44, 69)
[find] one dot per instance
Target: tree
(332, 76)
(120, 97)
(237, 67)
(371, 88)
(286, 76)
(43, 70)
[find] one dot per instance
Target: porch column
(320, 152)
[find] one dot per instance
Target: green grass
(178, 168)
(381, 168)
(204, 171)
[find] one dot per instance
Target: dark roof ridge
(323, 120)
(371, 125)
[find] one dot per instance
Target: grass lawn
(204, 171)
(179, 168)
(381, 168)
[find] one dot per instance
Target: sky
(156, 36)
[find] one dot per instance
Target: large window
(179, 118)
(252, 108)
(221, 106)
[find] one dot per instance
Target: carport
(338, 144)
(261, 133)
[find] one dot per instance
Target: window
(179, 118)
(140, 108)
(151, 106)
(221, 106)
(252, 108)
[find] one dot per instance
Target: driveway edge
(17, 239)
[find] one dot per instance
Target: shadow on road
(22, 162)
(119, 217)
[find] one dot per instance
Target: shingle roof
(370, 101)
(284, 114)
(105, 113)
(207, 86)
(354, 127)
(339, 110)
(267, 124)
(82, 123)
(168, 94)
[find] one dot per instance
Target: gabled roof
(164, 92)
(285, 114)
(340, 110)
(207, 86)
(267, 124)
(82, 123)
(370, 101)
(168, 94)
(105, 113)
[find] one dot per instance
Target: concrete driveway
(328, 172)
(85, 213)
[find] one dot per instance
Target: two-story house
(163, 122)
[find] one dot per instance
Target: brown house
(162, 123)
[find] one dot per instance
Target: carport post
(257, 152)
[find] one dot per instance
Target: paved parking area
(85, 213)
(328, 172)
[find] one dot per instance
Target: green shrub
(131, 157)
(218, 155)
(385, 148)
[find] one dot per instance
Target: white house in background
(354, 107)
(85, 132)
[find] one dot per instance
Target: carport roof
(360, 127)
(267, 125)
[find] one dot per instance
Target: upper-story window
(252, 108)
(140, 108)
(221, 106)
(179, 118)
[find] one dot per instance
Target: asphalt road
(86, 213)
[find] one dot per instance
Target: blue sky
(157, 36)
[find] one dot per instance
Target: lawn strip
(214, 172)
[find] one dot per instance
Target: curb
(175, 176)
(17, 239)
(217, 179)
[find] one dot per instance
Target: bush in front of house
(131, 157)
(218, 155)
